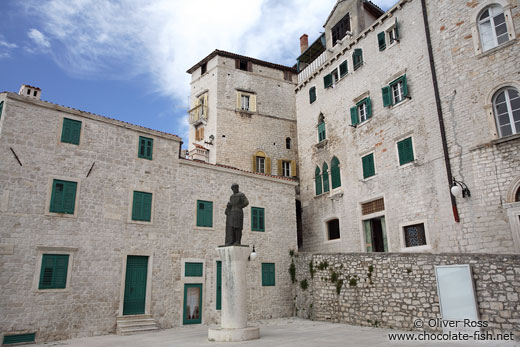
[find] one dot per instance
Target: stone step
(143, 322)
(137, 330)
(129, 325)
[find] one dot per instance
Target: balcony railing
(308, 70)
(198, 114)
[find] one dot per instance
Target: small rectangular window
(203, 68)
(286, 168)
(343, 69)
(71, 131)
(1, 108)
(63, 197)
(53, 273)
(145, 148)
(142, 207)
(268, 274)
(414, 235)
(312, 94)
(243, 65)
(368, 165)
(193, 269)
(244, 104)
(405, 151)
(260, 164)
(257, 219)
(204, 213)
(381, 40)
(357, 58)
(340, 29)
(361, 112)
(396, 92)
(333, 229)
(287, 75)
(335, 75)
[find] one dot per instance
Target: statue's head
(234, 188)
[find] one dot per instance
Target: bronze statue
(235, 216)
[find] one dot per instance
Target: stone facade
(100, 234)
(393, 290)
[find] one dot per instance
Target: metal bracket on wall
(17, 159)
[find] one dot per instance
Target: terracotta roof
(200, 146)
(28, 85)
(238, 56)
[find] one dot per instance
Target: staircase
(138, 324)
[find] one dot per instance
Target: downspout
(439, 110)
(180, 150)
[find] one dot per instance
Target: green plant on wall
(311, 269)
(292, 271)
(303, 284)
(339, 284)
(323, 265)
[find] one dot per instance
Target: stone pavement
(287, 332)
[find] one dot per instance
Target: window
(343, 69)
(373, 206)
(492, 27)
(325, 176)
(257, 219)
(145, 148)
(219, 286)
(335, 173)
(202, 102)
(357, 58)
(193, 269)
(243, 65)
(287, 75)
(287, 143)
(335, 75)
(333, 229)
(517, 196)
(71, 131)
(268, 274)
(246, 101)
(199, 133)
(1, 108)
(63, 197)
(369, 169)
(340, 29)
(203, 68)
(142, 207)
(19, 338)
(405, 151)
(321, 128)
(506, 106)
(261, 163)
(317, 181)
(53, 273)
(414, 235)
(285, 168)
(396, 92)
(204, 214)
(312, 94)
(361, 112)
(393, 36)
(381, 40)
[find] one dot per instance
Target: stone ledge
(233, 335)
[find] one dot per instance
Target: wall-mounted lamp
(252, 256)
(211, 138)
(459, 188)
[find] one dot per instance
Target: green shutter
(368, 165)
(145, 148)
(1, 108)
(193, 269)
(396, 30)
(321, 132)
(335, 173)
(257, 219)
(53, 273)
(18, 338)
(312, 94)
(327, 80)
(357, 57)
(381, 40)
(368, 235)
(317, 179)
(325, 175)
(354, 115)
(369, 107)
(204, 214)
(343, 69)
(71, 131)
(142, 207)
(387, 96)
(63, 197)
(219, 285)
(405, 85)
(405, 150)
(268, 274)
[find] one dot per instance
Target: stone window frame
(41, 250)
(364, 217)
(424, 248)
(364, 154)
(489, 108)
(213, 219)
(325, 229)
(138, 145)
(49, 197)
(144, 189)
(252, 106)
(399, 139)
(475, 33)
(509, 114)
(60, 130)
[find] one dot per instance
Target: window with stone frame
(333, 229)
(361, 112)
(286, 168)
(260, 164)
(414, 235)
(506, 107)
(288, 144)
(246, 101)
(199, 133)
(492, 27)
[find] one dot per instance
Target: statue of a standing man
(235, 216)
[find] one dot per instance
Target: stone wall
(393, 290)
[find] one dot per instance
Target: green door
(192, 313)
(135, 284)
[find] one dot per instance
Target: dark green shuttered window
(335, 173)
(368, 165)
(1, 108)
(325, 175)
(317, 180)
(219, 285)
(361, 112)
(53, 274)
(63, 197)
(71, 131)
(19, 338)
(204, 213)
(312, 94)
(381, 40)
(405, 150)
(327, 80)
(268, 275)
(145, 147)
(142, 206)
(193, 269)
(357, 58)
(321, 132)
(389, 93)
(257, 219)
(343, 69)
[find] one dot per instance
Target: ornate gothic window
(335, 173)
(325, 177)
(317, 180)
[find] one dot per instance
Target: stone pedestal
(234, 297)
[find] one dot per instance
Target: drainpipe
(439, 110)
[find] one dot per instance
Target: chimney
(304, 43)
(30, 91)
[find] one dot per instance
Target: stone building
(104, 228)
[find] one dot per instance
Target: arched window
(492, 27)
(321, 128)
(288, 143)
(317, 180)
(517, 195)
(506, 106)
(334, 173)
(325, 177)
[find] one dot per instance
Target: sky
(127, 59)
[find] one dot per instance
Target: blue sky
(127, 59)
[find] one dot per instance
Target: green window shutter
(69, 197)
(327, 80)
(219, 285)
(405, 150)
(335, 173)
(312, 94)
(387, 96)
(142, 207)
(60, 273)
(354, 115)
(396, 30)
(268, 274)
(381, 40)
(1, 108)
(63, 197)
(357, 57)
(71, 131)
(325, 175)
(53, 273)
(405, 85)
(257, 219)
(369, 107)
(193, 269)
(18, 338)
(368, 166)
(204, 213)
(321, 132)
(343, 69)
(145, 148)
(317, 179)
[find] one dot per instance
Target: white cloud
(6, 47)
(38, 38)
